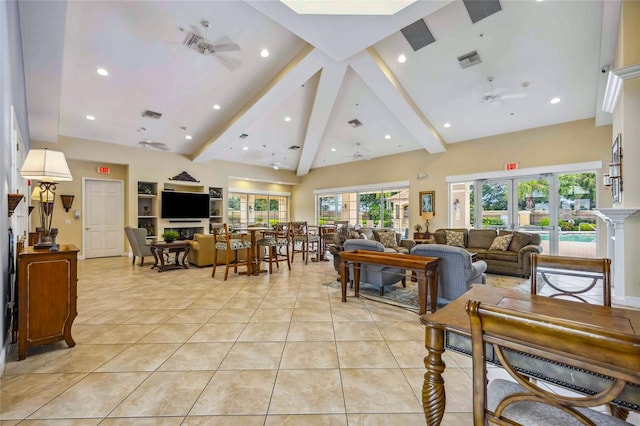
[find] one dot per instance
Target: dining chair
(273, 242)
(520, 401)
(232, 248)
(299, 234)
(572, 278)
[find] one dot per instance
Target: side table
(158, 250)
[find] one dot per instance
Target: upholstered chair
(228, 245)
(276, 244)
(138, 241)
(301, 236)
(456, 271)
(375, 275)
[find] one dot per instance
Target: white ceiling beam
(375, 73)
(328, 89)
(291, 77)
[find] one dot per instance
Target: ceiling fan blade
(225, 44)
(517, 95)
(229, 63)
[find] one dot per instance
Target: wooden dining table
(449, 328)
(255, 259)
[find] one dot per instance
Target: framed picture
(615, 191)
(427, 202)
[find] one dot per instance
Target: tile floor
(182, 348)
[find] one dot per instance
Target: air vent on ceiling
(294, 147)
(354, 123)
(151, 114)
(470, 59)
(244, 136)
(418, 35)
(480, 9)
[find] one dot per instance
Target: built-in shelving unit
(148, 208)
(186, 228)
(216, 204)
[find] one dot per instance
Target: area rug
(407, 298)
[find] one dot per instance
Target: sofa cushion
(387, 238)
(509, 256)
(454, 238)
(481, 253)
(441, 238)
(481, 238)
(501, 243)
(368, 233)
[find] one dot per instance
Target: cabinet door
(48, 298)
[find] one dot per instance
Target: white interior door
(103, 218)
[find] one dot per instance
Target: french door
(558, 206)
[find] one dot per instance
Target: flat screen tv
(184, 205)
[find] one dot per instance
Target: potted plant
(170, 236)
(418, 233)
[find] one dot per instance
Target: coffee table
(160, 249)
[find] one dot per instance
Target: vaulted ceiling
(322, 71)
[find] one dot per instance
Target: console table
(47, 296)
(449, 327)
(425, 267)
(158, 250)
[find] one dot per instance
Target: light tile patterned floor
(183, 348)
(180, 347)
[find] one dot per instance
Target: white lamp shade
(46, 166)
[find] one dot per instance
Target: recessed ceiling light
(264, 53)
(245, 148)
(402, 59)
(287, 118)
(216, 106)
(447, 125)
(555, 100)
(90, 117)
(387, 136)
(102, 72)
(188, 137)
(333, 150)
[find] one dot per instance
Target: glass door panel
(495, 204)
(576, 218)
(532, 209)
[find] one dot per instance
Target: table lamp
(427, 216)
(48, 167)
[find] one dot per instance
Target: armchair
(456, 271)
(202, 251)
(138, 241)
(375, 275)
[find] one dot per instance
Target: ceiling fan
(276, 165)
(357, 155)
(146, 143)
(206, 47)
(495, 95)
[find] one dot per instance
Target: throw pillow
(387, 238)
(501, 243)
(454, 238)
(519, 240)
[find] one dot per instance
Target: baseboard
(631, 302)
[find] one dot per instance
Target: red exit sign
(511, 166)
(104, 170)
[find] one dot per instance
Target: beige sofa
(515, 260)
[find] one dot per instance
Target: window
(381, 208)
(244, 209)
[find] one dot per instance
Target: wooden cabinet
(47, 296)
